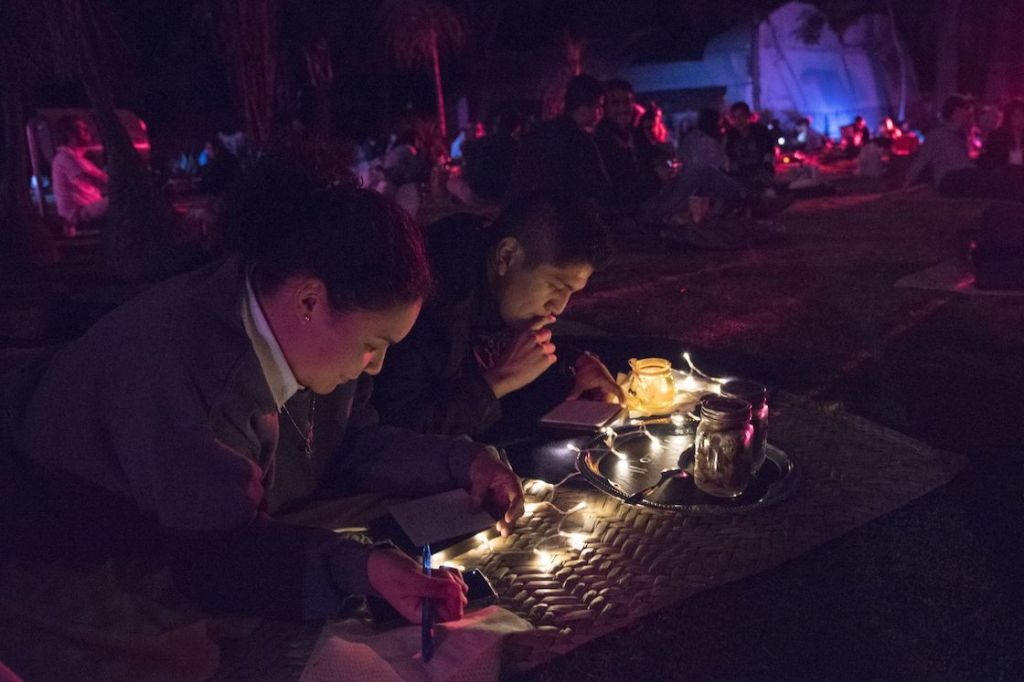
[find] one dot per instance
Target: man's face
(618, 107)
(526, 293)
(82, 136)
(332, 348)
(740, 118)
(589, 115)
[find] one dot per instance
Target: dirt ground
(931, 591)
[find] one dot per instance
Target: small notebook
(439, 517)
(582, 414)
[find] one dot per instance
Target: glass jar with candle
(651, 386)
(722, 463)
(757, 395)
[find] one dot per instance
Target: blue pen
(427, 614)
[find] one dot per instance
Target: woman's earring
(307, 317)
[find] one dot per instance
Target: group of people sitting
(607, 147)
(226, 420)
(945, 157)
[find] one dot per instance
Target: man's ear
(507, 255)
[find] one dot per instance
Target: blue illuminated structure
(774, 68)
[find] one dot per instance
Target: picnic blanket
(952, 275)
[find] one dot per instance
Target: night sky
(172, 75)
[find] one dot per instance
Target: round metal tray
(635, 457)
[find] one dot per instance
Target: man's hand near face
(528, 356)
(595, 382)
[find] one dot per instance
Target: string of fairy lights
(551, 550)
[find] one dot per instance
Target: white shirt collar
(279, 376)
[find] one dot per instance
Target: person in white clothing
(79, 186)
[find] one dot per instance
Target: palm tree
(553, 95)
(416, 32)
(25, 239)
(948, 57)
(138, 234)
(247, 31)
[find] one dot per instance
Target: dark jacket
(750, 155)
(996, 153)
(620, 159)
(432, 381)
(562, 156)
(488, 164)
(162, 410)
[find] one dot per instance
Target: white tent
(861, 71)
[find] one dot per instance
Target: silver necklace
(307, 436)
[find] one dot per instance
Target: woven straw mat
(630, 561)
(634, 560)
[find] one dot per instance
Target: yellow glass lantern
(651, 387)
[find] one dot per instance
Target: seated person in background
(614, 138)
(489, 160)
(854, 136)
(657, 158)
(750, 148)
(654, 190)
(222, 170)
(79, 185)
(809, 140)
(406, 166)
(188, 422)
(560, 153)
(944, 153)
(483, 337)
(702, 146)
(473, 130)
(1004, 148)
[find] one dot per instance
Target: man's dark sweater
(433, 380)
(751, 155)
(163, 413)
(562, 156)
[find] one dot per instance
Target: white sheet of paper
(467, 650)
(581, 413)
(439, 517)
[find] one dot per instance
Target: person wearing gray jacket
(202, 411)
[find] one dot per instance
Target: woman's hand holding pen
(399, 579)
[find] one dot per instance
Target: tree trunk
(442, 120)
(946, 79)
(1000, 64)
(249, 31)
(25, 239)
(138, 233)
(755, 65)
(901, 55)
